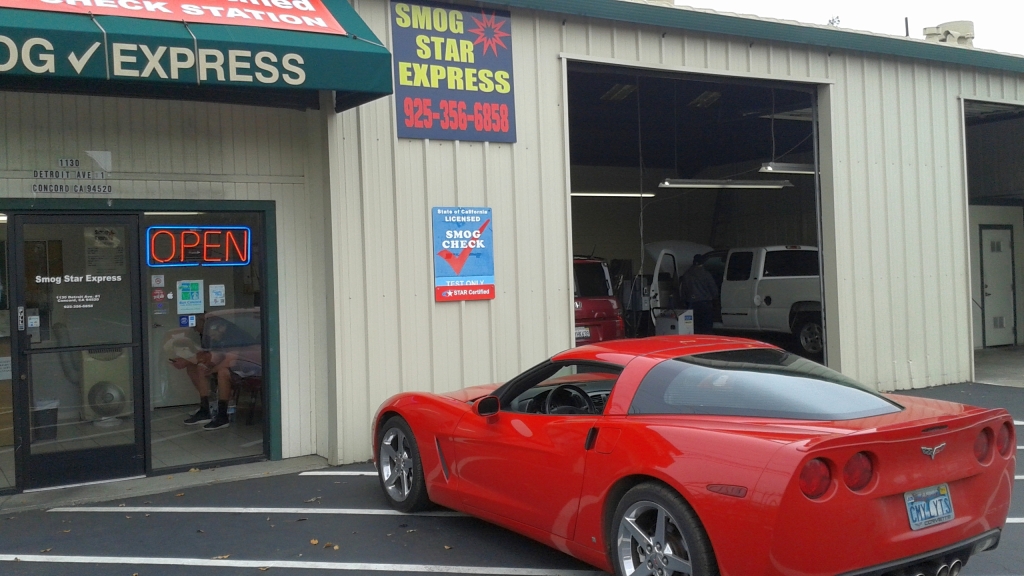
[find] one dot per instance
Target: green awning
(39, 46)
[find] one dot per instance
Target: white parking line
(1018, 423)
(350, 566)
(1018, 477)
(1015, 520)
(229, 510)
(336, 473)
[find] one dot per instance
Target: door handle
(591, 439)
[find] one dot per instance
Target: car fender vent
(440, 456)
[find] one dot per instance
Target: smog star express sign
(463, 255)
(453, 72)
(298, 15)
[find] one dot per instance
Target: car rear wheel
(399, 467)
(810, 335)
(655, 532)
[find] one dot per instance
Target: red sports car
(705, 455)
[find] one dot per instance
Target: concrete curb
(115, 490)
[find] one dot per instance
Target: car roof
(659, 347)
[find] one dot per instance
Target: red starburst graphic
(489, 33)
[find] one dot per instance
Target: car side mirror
(487, 406)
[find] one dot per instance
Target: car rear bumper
(931, 562)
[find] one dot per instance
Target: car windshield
(764, 382)
(590, 280)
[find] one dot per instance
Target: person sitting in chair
(222, 355)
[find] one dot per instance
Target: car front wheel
(399, 467)
(655, 532)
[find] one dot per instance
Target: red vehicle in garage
(598, 312)
(706, 455)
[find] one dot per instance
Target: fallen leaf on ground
(329, 544)
(447, 547)
(194, 470)
(180, 495)
(264, 569)
(45, 551)
(314, 541)
(302, 519)
(224, 557)
(200, 532)
(147, 515)
(336, 546)
(408, 531)
(314, 499)
(65, 531)
(120, 505)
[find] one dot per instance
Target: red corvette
(707, 455)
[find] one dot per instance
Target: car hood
(472, 393)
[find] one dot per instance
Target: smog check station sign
(463, 255)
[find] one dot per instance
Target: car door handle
(591, 439)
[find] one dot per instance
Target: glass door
(78, 348)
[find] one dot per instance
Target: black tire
(810, 336)
(686, 549)
(399, 467)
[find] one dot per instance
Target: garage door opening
(995, 184)
(666, 167)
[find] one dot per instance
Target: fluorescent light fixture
(618, 92)
(3, 218)
(705, 100)
(726, 184)
(787, 168)
(613, 194)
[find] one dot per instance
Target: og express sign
(453, 72)
(463, 255)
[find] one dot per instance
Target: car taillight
(1004, 440)
(858, 471)
(983, 445)
(815, 478)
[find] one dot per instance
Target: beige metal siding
(894, 217)
(189, 150)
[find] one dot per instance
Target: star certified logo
(932, 452)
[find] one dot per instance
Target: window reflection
(205, 332)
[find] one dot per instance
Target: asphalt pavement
(332, 520)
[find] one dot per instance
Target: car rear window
(763, 382)
(781, 263)
(590, 280)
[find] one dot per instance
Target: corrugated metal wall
(190, 150)
(894, 223)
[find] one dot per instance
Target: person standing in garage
(697, 290)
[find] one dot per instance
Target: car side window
(784, 263)
(567, 389)
(739, 265)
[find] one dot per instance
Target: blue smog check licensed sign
(463, 255)
(453, 72)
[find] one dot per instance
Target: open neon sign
(198, 246)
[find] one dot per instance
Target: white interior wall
(172, 150)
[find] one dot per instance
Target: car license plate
(582, 332)
(929, 506)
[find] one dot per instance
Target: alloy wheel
(650, 542)
(811, 338)
(396, 464)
